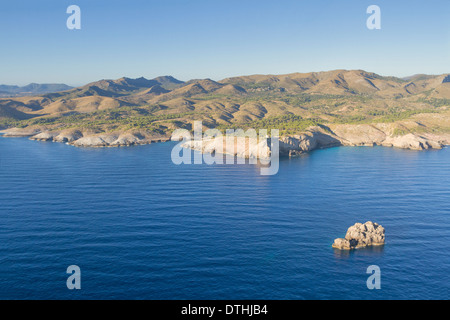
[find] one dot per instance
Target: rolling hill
(291, 101)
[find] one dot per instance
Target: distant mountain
(169, 82)
(32, 89)
(127, 85)
(120, 88)
(418, 77)
(8, 89)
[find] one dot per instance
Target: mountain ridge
(32, 88)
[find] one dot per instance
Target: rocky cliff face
(87, 138)
(411, 141)
(242, 147)
(318, 138)
(314, 138)
(361, 235)
(384, 135)
(358, 135)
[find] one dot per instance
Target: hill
(290, 102)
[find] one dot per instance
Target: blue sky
(218, 39)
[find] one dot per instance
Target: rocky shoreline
(319, 138)
(87, 138)
(290, 145)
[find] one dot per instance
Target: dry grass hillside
(290, 102)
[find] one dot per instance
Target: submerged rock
(361, 235)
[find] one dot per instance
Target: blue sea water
(140, 227)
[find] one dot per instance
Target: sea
(139, 226)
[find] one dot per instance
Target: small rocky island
(361, 235)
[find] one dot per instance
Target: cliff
(87, 138)
(290, 145)
(319, 138)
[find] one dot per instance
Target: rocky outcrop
(102, 140)
(128, 139)
(69, 135)
(411, 141)
(44, 136)
(382, 134)
(117, 139)
(248, 147)
(361, 235)
(296, 144)
(86, 138)
(317, 138)
(242, 147)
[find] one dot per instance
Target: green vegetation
(386, 116)
(312, 110)
(124, 118)
(287, 124)
(435, 102)
(289, 103)
(400, 131)
(401, 115)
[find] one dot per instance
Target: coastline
(289, 145)
(86, 138)
(319, 138)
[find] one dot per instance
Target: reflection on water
(367, 251)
